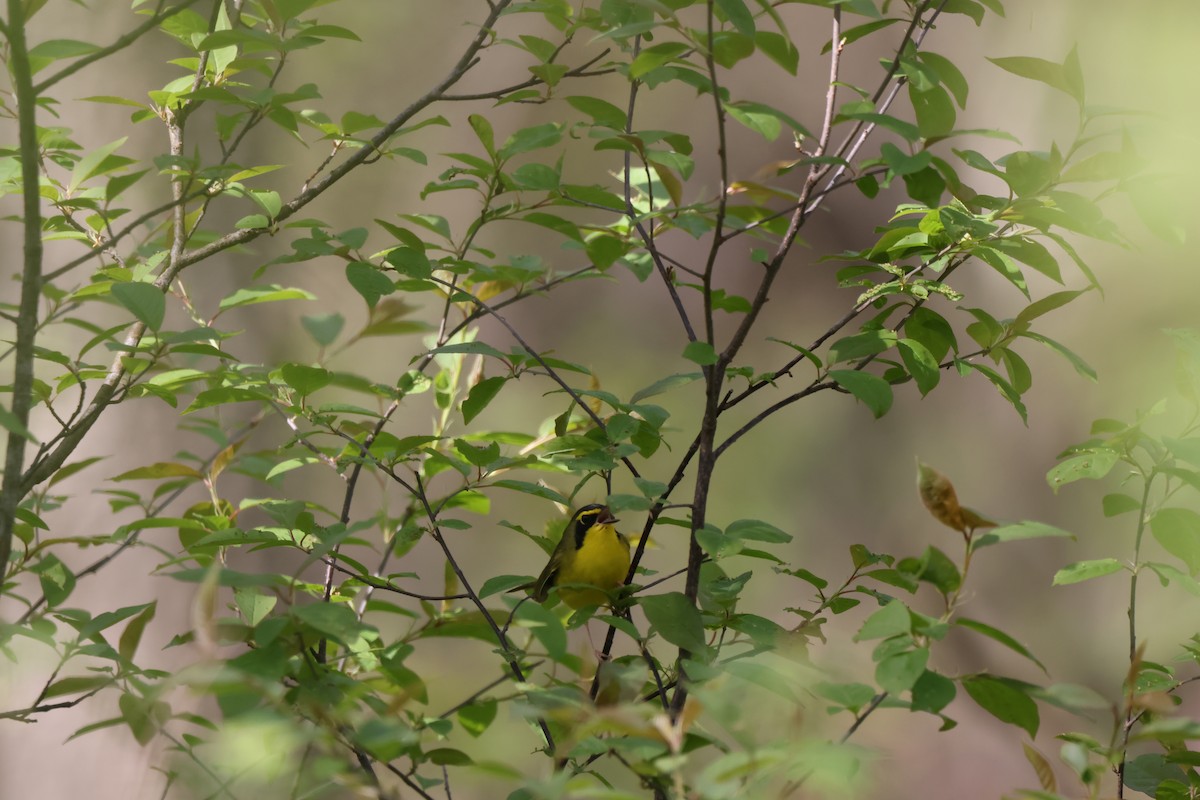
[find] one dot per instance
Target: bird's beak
(606, 518)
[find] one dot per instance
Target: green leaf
(1043, 306)
(1086, 570)
(94, 163)
(1004, 699)
(478, 456)
(602, 112)
(469, 348)
(335, 620)
(676, 620)
(655, 56)
(934, 110)
(323, 328)
(545, 627)
(891, 620)
(1072, 697)
(921, 364)
(851, 35)
(925, 186)
(665, 384)
(701, 353)
(780, 49)
(263, 294)
(899, 672)
(535, 137)
(851, 696)
(144, 300)
(537, 177)
(1081, 366)
(936, 568)
(535, 489)
(1033, 253)
(555, 223)
(1116, 504)
(861, 345)
(43, 54)
(932, 692)
(1146, 774)
(76, 684)
(384, 738)
(1004, 264)
(476, 717)
(715, 543)
(932, 330)
(765, 125)
(56, 579)
(906, 130)
(948, 74)
(305, 380)
(1000, 636)
(757, 530)
(873, 391)
(159, 470)
(1041, 70)
(1016, 532)
(448, 756)
(1184, 449)
(737, 13)
(1178, 531)
(480, 395)
(1092, 465)
(369, 281)
(132, 635)
(483, 131)
(254, 605)
(902, 163)
(1168, 574)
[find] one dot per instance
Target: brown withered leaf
(938, 495)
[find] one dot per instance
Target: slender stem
(11, 490)
(723, 186)
(1130, 716)
(862, 716)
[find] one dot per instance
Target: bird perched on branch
(591, 559)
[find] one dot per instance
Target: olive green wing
(541, 587)
(549, 576)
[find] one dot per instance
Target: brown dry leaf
(938, 495)
(1158, 702)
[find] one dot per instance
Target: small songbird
(591, 551)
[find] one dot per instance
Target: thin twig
(120, 44)
(46, 466)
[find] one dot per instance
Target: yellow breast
(602, 561)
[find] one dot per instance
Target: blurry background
(823, 470)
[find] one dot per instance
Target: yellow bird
(591, 551)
